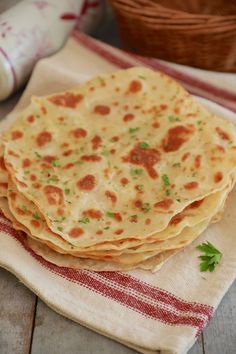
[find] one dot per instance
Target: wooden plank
(220, 335)
(55, 334)
(17, 305)
(198, 347)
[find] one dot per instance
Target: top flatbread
(119, 156)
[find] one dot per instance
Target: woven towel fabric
(153, 313)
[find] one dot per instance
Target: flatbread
(28, 214)
(170, 150)
(152, 264)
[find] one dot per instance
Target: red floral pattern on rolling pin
(41, 30)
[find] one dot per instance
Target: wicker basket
(200, 33)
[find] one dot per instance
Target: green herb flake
(24, 208)
(134, 158)
(211, 257)
(165, 180)
(56, 163)
(136, 172)
(105, 153)
(67, 191)
(144, 145)
(52, 179)
(146, 207)
(167, 192)
(133, 130)
(178, 200)
(133, 218)
(140, 187)
(177, 164)
(110, 214)
(194, 174)
(84, 220)
(59, 228)
(173, 119)
(36, 216)
(142, 77)
(106, 228)
(26, 172)
(38, 155)
(199, 122)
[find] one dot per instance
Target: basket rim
(136, 5)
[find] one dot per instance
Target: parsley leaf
(211, 257)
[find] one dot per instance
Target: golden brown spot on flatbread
(191, 185)
(218, 177)
(87, 183)
(176, 137)
(76, 232)
(54, 195)
(16, 134)
(43, 138)
(93, 213)
(102, 110)
(67, 99)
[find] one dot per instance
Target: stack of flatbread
(119, 173)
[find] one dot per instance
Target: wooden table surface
(27, 325)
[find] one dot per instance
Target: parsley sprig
(211, 257)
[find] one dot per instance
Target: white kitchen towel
(152, 313)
